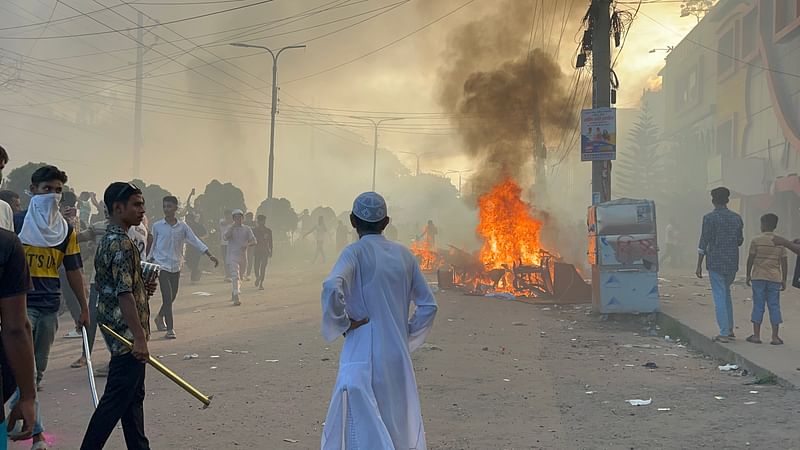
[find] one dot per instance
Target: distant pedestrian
(672, 244)
(720, 239)
(767, 266)
(239, 237)
(192, 255)
(341, 237)
(320, 232)
(262, 251)
(249, 220)
(225, 225)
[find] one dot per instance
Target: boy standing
(766, 272)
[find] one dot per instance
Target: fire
(510, 233)
(428, 257)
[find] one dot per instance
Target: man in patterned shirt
(123, 306)
(720, 239)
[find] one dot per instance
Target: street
(495, 374)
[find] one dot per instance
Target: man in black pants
(165, 245)
(192, 254)
(122, 306)
(262, 251)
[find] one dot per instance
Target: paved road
(495, 375)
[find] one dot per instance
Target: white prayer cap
(370, 207)
(237, 211)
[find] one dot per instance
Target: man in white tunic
(367, 297)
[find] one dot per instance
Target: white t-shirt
(6, 217)
(138, 235)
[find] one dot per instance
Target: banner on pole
(599, 134)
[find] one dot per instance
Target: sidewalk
(688, 300)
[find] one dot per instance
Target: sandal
(80, 362)
(721, 339)
(753, 340)
(778, 341)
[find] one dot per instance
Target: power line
(98, 33)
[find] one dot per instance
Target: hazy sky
(207, 118)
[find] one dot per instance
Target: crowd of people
(42, 253)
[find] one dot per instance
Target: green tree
(217, 198)
(153, 198)
(640, 170)
(281, 217)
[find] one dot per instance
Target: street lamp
(375, 123)
(459, 172)
(274, 105)
(418, 156)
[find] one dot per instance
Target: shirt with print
(44, 263)
(720, 239)
(118, 271)
(768, 256)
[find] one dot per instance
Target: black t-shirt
(15, 279)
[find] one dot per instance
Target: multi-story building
(732, 106)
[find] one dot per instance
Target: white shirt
(238, 241)
(138, 235)
(6, 217)
(168, 244)
(377, 279)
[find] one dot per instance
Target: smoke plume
(503, 98)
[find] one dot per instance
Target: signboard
(599, 134)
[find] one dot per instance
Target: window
(787, 17)
(750, 34)
(688, 89)
(726, 52)
(724, 139)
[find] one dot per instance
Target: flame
(510, 233)
(428, 257)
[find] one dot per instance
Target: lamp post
(274, 111)
(418, 156)
(459, 172)
(376, 122)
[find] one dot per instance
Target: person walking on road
(240, 237)
(720, 239)
(367, 298)
(262, 251)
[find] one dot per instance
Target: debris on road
(202, 294)
(728, 368)
(640, 402)
(650, 365)
(665, 409)
(191, 356)
(719, 397)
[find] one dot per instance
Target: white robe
(377, 279)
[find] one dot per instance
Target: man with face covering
(367, 297)
(49, 242)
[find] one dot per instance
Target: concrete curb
(699, 341)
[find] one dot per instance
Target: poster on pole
(599, 134)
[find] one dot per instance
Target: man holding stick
(122, 306)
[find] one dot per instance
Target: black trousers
(123, 399)
(261, 258)
(169, 290)
(193, 262)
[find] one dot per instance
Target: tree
(19, 180)
(640, 169)
(281, 217)
(153, 198)
(217, 198)
(697, 8)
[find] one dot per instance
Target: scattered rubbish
(202, 294)
(271, 360)
(213, 367)
(750, 403)
(719, 397)
(650, 365)
(214, 356)
(545, 309)
(450, 320)
(191, 356)
(665, 409)
(671, 354)
(765, 379)
(506, 380)
(754, 392)
(668, 338)
(640, 402)
(427, 346)
(291, 441)
(728, 367)
(519, 324)
(629, 365)
(589, 392)
(197, 310)
(228, 351)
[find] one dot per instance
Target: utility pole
(417, 156)
(137, 114)
(601, 98)
(600, 21)
(274, 110)
(376, 123)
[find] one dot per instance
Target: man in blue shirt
(720, 239)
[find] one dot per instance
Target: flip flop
(778, 342)
(752, 339)
(721, 339)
